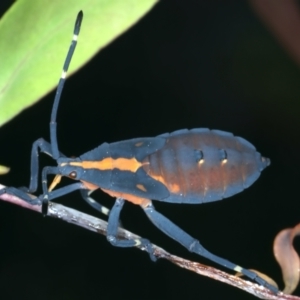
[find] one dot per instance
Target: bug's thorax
(78, 169)
(81, 169)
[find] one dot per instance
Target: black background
(187, 64)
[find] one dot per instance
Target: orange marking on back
(141, 187)
(131, 198)
(172, 187)
(139, 144)
(123, 164)
(89, 186)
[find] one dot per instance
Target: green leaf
(35, 36)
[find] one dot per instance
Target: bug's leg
(46, 171)
(43, 146)
(22, 191)
(45, 198)
(20, 194)
(194, 245)
(39, 145)
(49, 195)
(112, 230)
(62, 191)
(94, 204)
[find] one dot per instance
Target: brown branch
(100, 226)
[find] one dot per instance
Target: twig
(100, 226)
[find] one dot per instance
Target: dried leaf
(287, 257)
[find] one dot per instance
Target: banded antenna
(53, 124)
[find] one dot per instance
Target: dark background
(187, 64)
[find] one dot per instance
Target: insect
(186, 166)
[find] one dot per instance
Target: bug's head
(70, 167)
(67, 167)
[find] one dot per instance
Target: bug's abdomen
(202, 165)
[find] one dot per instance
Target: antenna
(53, 124)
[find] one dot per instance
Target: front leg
(46, 171)
(39, 145)
(50, 195)
(20, 194)
(43, 146)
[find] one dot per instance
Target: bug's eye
(73, 175)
